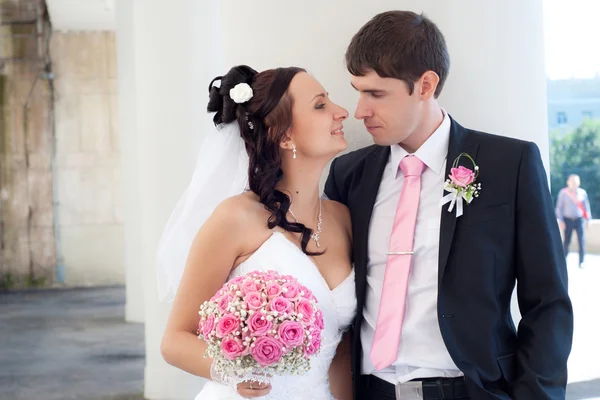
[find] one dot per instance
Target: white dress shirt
(422, 352)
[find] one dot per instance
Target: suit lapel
(372, 174)
(459, 143)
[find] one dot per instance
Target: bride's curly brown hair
(264, 121)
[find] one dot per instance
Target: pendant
(315, 237)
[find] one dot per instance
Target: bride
(276, 132)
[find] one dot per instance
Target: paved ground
(584, 362)
(74, 344)
(69, 344)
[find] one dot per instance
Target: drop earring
(294, 150)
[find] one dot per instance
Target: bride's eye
(320, 106)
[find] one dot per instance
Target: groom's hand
(250, 389)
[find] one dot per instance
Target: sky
(572, 38)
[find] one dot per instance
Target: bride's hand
(251, 389)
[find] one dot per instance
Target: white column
(169, 52)
(134, 306)
(497, 76)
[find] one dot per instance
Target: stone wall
(27, 240)
(88, 158)
(87, 178)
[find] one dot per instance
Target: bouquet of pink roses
(259, 325)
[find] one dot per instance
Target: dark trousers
(577, 226)
(433, 389)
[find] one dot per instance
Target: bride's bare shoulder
(243, 219)
(242, 209)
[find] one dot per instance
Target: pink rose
(319, 323)
(249, 285)
(207, 326)
(273, 290)
(307, 293)
(224, 302)
(254, 300)
(305, 308)
(259, 325)
(291, 290)
(270, 275)
(281, 305)
(232, 348)
(314, 344)
(291, 333)
(237, 280)
(462, 176)
(227, 324)
(266, 351)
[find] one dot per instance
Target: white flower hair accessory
(241, 93)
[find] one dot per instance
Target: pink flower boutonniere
(462, 185)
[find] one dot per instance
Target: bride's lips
(338, 131)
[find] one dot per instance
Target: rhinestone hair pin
(250, 124)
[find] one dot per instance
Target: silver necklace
(314, 236)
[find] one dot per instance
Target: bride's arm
(212, 255)
(216, 247)
(340, 374)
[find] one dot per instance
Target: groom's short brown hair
(401, 45)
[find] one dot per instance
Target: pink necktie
(384, 350)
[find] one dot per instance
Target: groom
(433, 287)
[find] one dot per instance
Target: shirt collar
(433, 152)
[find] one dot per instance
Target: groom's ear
(427, 85)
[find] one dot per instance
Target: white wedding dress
(338, 306)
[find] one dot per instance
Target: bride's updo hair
(263, 121)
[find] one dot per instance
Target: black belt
(433, 388)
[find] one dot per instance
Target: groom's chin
(382, 141)
(378, 136)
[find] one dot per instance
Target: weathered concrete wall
(27, 243)
(87, 159)
(89, 179)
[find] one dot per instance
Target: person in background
(574, 214)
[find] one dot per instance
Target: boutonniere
(462, 185)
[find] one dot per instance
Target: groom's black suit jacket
(508, 234)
